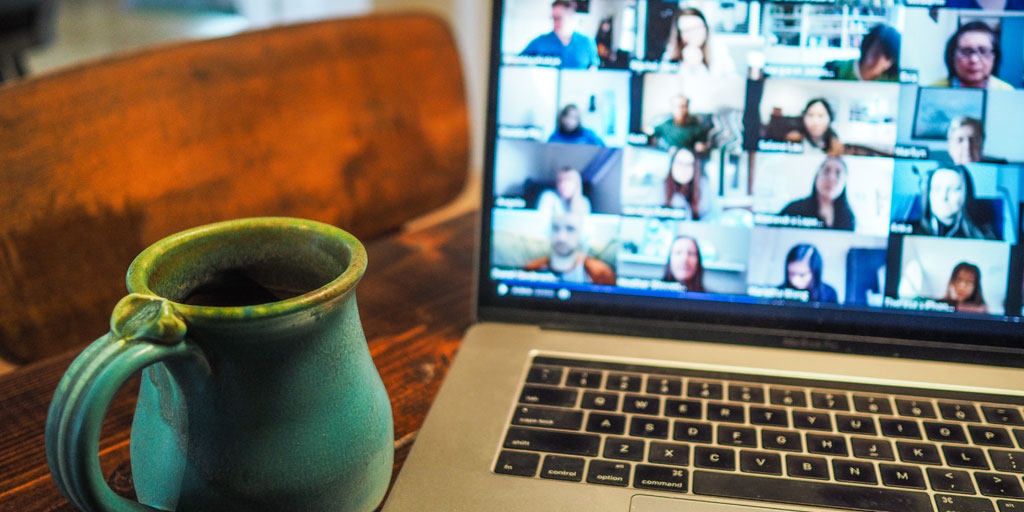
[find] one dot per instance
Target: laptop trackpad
(641, 503)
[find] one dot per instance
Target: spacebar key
(810, 493)
(550, 441)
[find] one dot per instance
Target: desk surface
(415, 307)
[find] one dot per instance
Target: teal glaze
(276, 406)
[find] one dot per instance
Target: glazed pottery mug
(258, 391)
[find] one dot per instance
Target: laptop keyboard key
(606, 423)
(553, 441)
(918, 453)
(863, 425)
(584, 379)
(990, 436)
(714, 458)
(950, 480)
(854, 471)
(1019, 434)
(999, 485)
(638, 404)
(1006, 460)
(760, 462)
(900, 428)
(872, 404)
(669, 453)
(895, 475)
(545, 375)
(648, 427)
(692, 432)
(878, 449)
(702, 389)
(737, 436)
(1010, 506)
(1003, 415)
(951, 503)
(537, 395)
(812, 420)
(806, 467)
(788, 397)
(558, 467)
(826, 445)
(664, 386)
(600, 401)
(959, 411)
(689, 409)
(727, 413)
(623, 449)
(623, 382)
(768, 416)
(746, 393)
(547, 417)
(965, 457)
(517, 463)
(945, 432)
(829, 401)
(915, 408)
(781, 440)
(660, 478)
(608, 473)
(809, 492)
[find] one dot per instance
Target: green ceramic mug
(258, 390)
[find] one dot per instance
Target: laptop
(742, 256)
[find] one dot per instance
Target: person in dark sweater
(827, 201)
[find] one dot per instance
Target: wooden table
(415, 307)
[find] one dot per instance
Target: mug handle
(144, 330)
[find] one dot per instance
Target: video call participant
(570, 129)
(568, 260)
(684, 264)
(682, 130)
(964, 289)
(827, 201)
(949, 206)
(972, 54)
(815, 130)
(965, 138)
(689, 44)
(879, 58)
(574, 49)
(803, 272)
(684, 184)
(567, 195)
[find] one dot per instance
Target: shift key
(552, 441)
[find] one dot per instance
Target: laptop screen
(834, 165)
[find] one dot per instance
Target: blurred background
(39, 36)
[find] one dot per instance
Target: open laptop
(742, 256)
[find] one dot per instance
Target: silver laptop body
(586, 268)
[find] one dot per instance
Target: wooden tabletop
(415, 305)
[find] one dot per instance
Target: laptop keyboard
(784, 440)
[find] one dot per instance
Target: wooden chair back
(359, 122)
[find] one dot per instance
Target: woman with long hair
(964, 289)
(949, 207)
(827, 201)
(815, 130)
(684, 264)
(803, 272)
(682, 184)
(689, 44)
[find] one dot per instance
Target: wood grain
(359, 122)
(415, 307)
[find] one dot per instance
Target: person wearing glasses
(972, 55)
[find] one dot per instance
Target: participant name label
(771, 292)
(531, 60)
(522, 275)
(919, 305)
(768, 219)
(780, 146)
(915, 152)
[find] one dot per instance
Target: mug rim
(140, 270)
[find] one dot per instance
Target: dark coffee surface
(235, 287)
